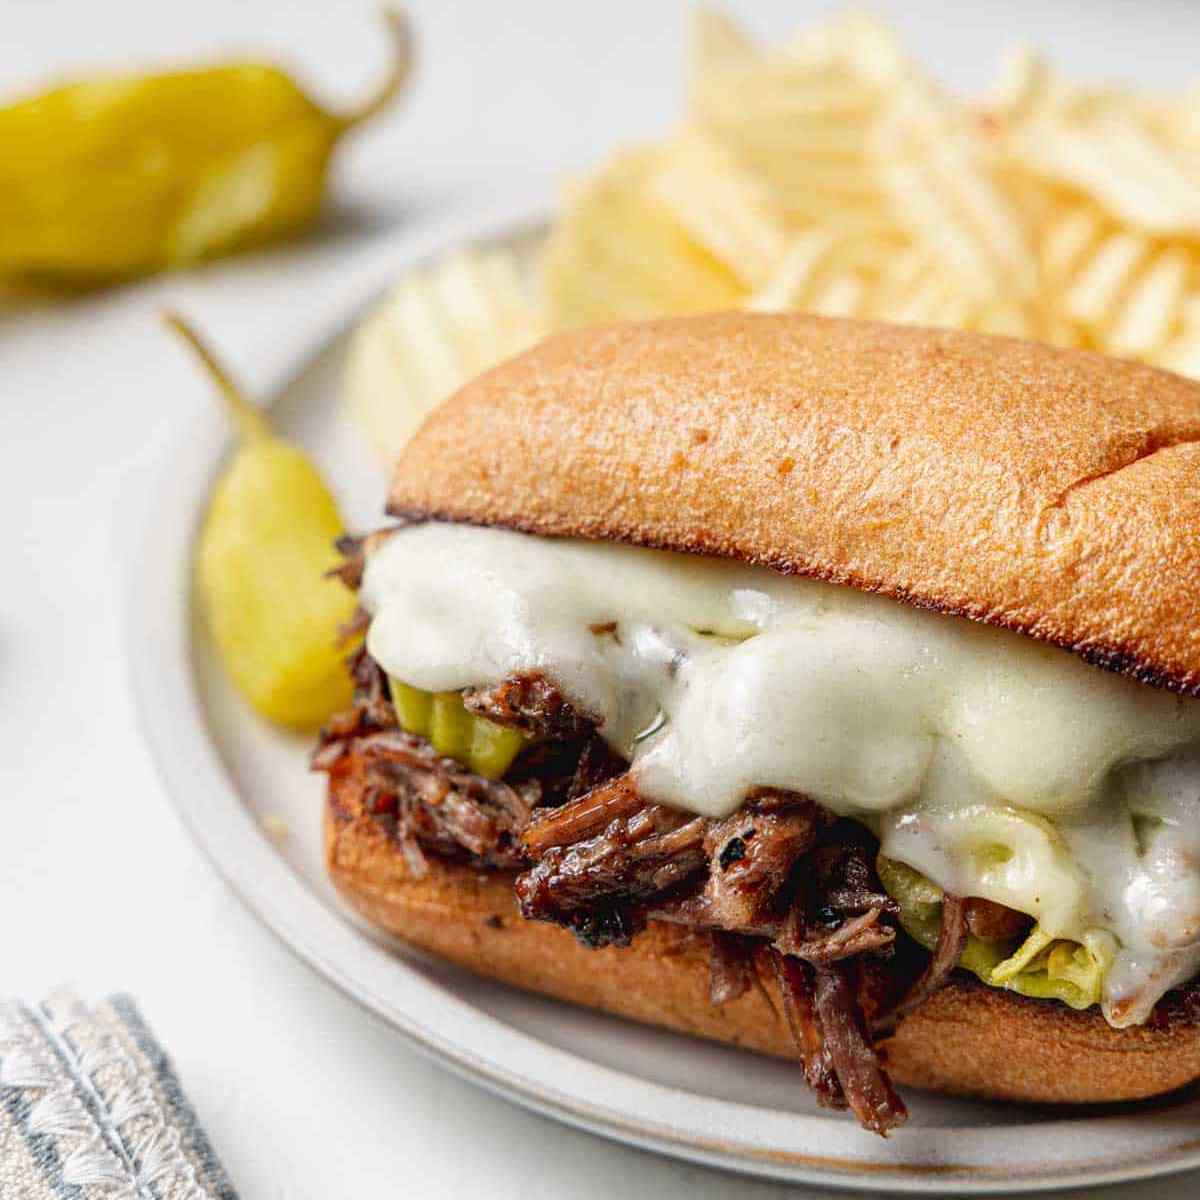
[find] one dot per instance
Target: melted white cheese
(997, 766)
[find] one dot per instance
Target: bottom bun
(967, 1039)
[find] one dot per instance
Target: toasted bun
(966, 1039)
(1052, 492)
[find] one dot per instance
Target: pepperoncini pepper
(481, 745)
(109, 179)
(262, 560)
(1037, 964)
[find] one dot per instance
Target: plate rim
(157, 648)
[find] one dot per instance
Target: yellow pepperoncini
(109, 179)
(262, 564)
(1040, 965)
(486, 748)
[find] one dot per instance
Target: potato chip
(617, 252)
(842, 295)
(792, 284)
(800, 117)
(1151, 306)
(859, 43)
(1023, 85)
(1094, 294)
(1118, 165)
(829, 174)
(1182, 353)
(435, 331)
(942, 186)
(722, 207)
(716, 43)
(834, 268)
(1068, 240)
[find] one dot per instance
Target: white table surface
(303, 1095)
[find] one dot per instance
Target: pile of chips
(831, 174)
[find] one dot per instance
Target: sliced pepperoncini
(262, 564)
(1037, 965)
(109, 179)
(481, 745)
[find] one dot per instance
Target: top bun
(1052, 492)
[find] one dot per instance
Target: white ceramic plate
(227, 771)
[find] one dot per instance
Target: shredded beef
(842, 881)
(839, 907)
(637, 856)
(597, 764)
(730, 967)
(532, 704)
(824, 1012)
(794, 980)
(766, 880)
(862, 934)
(583, 818)
(567, 756)
(354, 551)
(438, 806)
(864, 1083)
(780, 882)
(751, 856)
(370, 712)
(952, 941)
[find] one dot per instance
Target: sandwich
(826, 688)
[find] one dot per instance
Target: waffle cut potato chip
(942, 187)
(620, 250)
(1126, 153)
(1182, 352)
(1118, 290)
(724, 209)
(436, 330)
(800, 117)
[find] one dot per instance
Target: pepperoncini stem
(400, 32)
(252, 424)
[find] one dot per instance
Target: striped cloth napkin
(90, 1109)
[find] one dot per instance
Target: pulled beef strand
(864, 1082)
(841, 877)
(531, 703)
(598, 763)
(751, 855)
(841, 1064)
(354, 551)
(730, 967)
(755, 856)
(636, 857)
(952, 941)
(838, 910)
(582, 818)
(370, 711)
(439, 806)
(862, 934)
(794, 980)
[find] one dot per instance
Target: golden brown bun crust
(1052, 492)
(966, 1039)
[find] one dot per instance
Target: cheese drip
(995, 765)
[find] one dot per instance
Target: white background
(302, 1094)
